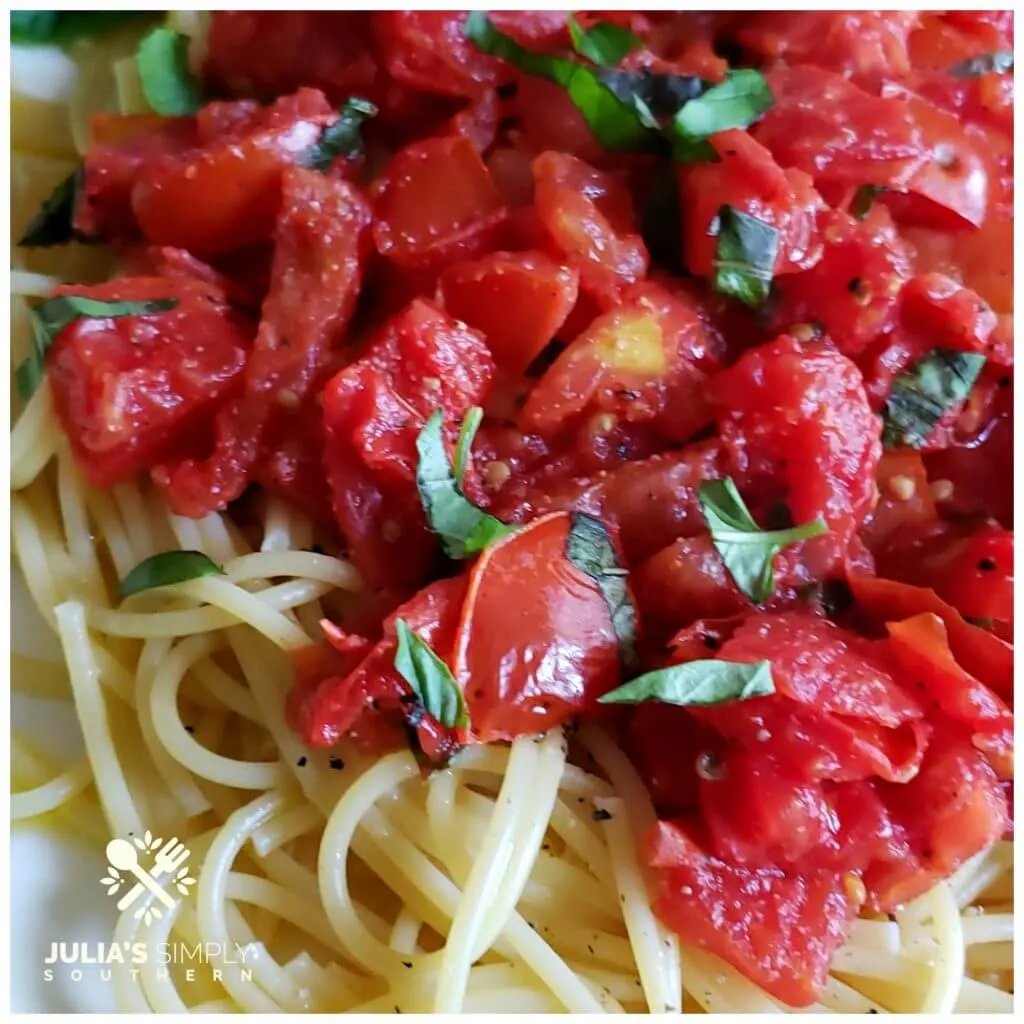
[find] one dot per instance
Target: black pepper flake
(590, 950)
(302, 761)
(987, 565)
(190, 729)
(375, 704)
(871, 1009)
(1003, 382)
(853, 285)
(601, 815)
(407, 963)
(507, 124)
(507, 90)
(336, 763)
(408, 698)
(712, 643)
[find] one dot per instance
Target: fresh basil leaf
(343, 137)
(744, 256)
(605, 44)
(54, 224)
(697, 684)
(747, 551)
(51, 316)
(166, 568)
(463, 528)
(616, 124)
(999, 62)
(864, 199)
(63, 27)
(464, 443)
(589, 547)
(660, 96)
(735, 103)
(430, 678)
(924, 394)
(170, 88)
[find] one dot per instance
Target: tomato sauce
(807, 296)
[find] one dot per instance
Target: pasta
(339, 883)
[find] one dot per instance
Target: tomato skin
(637, 363)
(749, 180)
(320, 241)
(420, 360)
(518, 301)
(854, 290)
(780, 929)
(588, 217)
(130, 391)
(895, 511)
(555, 651)
(122, 148)
(225, 193)
(436, 204)
(349, 704)
(951, 316)
(818, 436)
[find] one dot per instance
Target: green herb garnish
(745, 256)
(430, 678)
(166, 568)
(697, 683)
(343, 137)
(63, 27)
(604, 43)
(168, 85)
(54, 224)
(984, 64)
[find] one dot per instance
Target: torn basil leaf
(924, 394)
(343, 137)
(659, 95)
(999, 62)
(429, 678)
(604, 43)
(589, 547)
(616, 124)
(747, 551)
(463, 528)
(62, 27)
(464, 443)
(51, 316)
(168, 85)
(744, 256)
(166, 568)
(735, 103)
(697, 684)
(54, 224)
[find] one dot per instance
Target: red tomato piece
(905, 499)
(638, 363)
(749, 180)
(952, 810)
(968, 565)
(420, 361)
(133, 390)
(122, 147)
(818, 437)
(922, 646)
(518, 301)
(535, 644)
(589, 219)
(779, 928)
(436, 204)
(952, 316)
(339, 705)
(853, 292)
(225, 193)
(983, 655)
(838, 711)
(320, 239)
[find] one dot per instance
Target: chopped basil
(747, 551)
(660, 96)
(464, 443)
(463, 528)
(999, 62)
(54, 224)
(745, 256)
(616, 124)
(343, 137)
(923, 395)
(430, 678)
(167, 83)
(62, 27)
(51, 316)
(589, 547)
(735, 103)
(166, 568)
(605, 44)
(697, 683)
(863, 200)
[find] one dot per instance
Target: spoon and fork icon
(122, 855)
